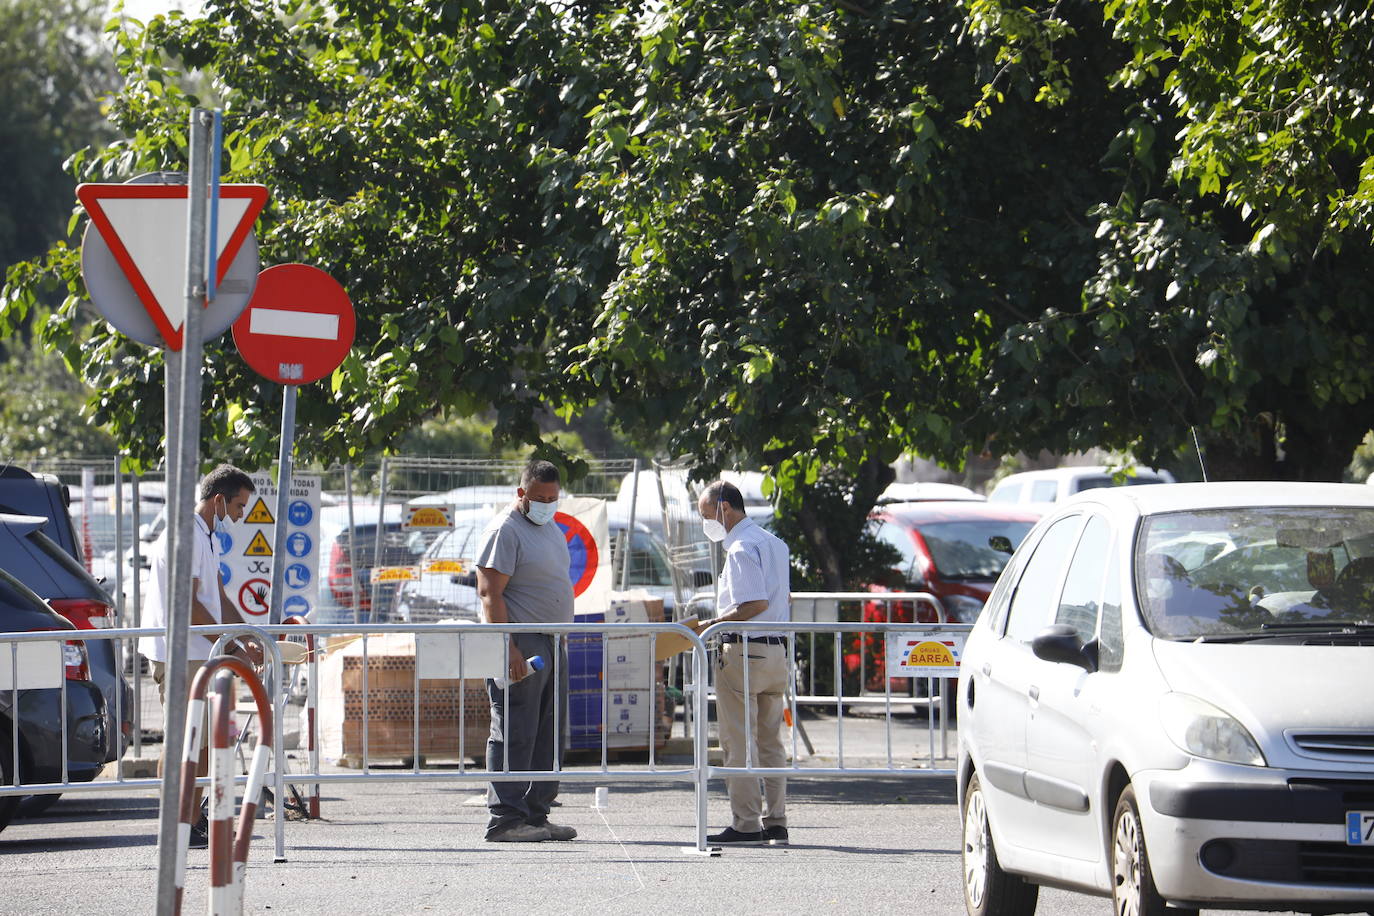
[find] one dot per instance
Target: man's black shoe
(775, 836)
(732, 837)
(200, 834)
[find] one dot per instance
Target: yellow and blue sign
(931, 653)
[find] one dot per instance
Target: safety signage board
(395, 573)
(298, 327)
(429, 518)
(249, 553)
(929, 653)
(144, 227)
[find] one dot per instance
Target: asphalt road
(859, 845)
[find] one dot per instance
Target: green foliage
(1230, 293)
(41, 413)
(56, 75)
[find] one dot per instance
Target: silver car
(1169, 699)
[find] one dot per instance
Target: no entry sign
(297, 327)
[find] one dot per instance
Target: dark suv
(44, 555)
(38, 758)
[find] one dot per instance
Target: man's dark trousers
(525, 730)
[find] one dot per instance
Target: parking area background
(859, 845)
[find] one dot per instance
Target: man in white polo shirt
(754, 585)
(223, 494)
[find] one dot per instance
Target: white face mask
(541, 513)
(714, 528)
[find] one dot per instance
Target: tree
(56, 74)
(1231, 289)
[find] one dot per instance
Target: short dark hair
(538, 470)
(225, 480)
(726, 492)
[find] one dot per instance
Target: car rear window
(38, 562)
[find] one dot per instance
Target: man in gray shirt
(522, 577)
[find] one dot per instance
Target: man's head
(538, 491)
(225, 491)
(721, 502)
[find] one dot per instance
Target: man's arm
(742, 612)
(491, 588)
(249, 649)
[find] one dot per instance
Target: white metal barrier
(447, 640)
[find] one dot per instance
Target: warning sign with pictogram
(260, 514)
(258, 547)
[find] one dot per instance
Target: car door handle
(1034, 692)
(987, 669)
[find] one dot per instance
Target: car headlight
(1203, 730)
(962, 608)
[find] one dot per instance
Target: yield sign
(145, 227)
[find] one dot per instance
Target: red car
(945, 550)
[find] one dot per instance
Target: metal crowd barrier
(444, 642)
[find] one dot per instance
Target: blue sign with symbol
(226, 543)
(299, 513)
(225, 574)
(295, 606)
(298, 544)
(1353, 834)
(297, 576)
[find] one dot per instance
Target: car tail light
(75, 661)
(341, 582)
(83, 612)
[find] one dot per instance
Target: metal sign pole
(288, 442)
(183, 460)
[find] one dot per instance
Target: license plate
(1359, 828)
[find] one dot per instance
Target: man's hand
(249, 651)
(518, 666)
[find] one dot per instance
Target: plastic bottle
(533, 663)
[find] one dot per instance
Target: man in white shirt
(754, 585)
(223, 493)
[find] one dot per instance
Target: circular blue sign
(225, 574)
(297, 576)
(226, 543)
(299, 513)
(298, 544)
(295, 606)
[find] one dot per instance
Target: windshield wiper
(1321, 628)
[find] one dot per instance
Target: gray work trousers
(523, 729)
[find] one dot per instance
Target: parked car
(439, 596)
(946, 549)
(29, 555)
(347, 555)
(1165, 725)
(1054, 484)
(37, 712)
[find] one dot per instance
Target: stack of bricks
(444, 703)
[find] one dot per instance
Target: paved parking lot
(859, 846)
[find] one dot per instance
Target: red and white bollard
(228, 853)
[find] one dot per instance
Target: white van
(1055, 484)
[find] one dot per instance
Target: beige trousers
(752, 809)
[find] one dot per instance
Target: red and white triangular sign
(145, 227)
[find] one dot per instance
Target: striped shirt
(756, 567)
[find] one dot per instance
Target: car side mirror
(1001, 543)
(702, 578)
(1059, 643)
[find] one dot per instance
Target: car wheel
(989, 891)
(8, 803)
(1133, 886)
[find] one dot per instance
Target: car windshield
(960, 549)
(1255, 570)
